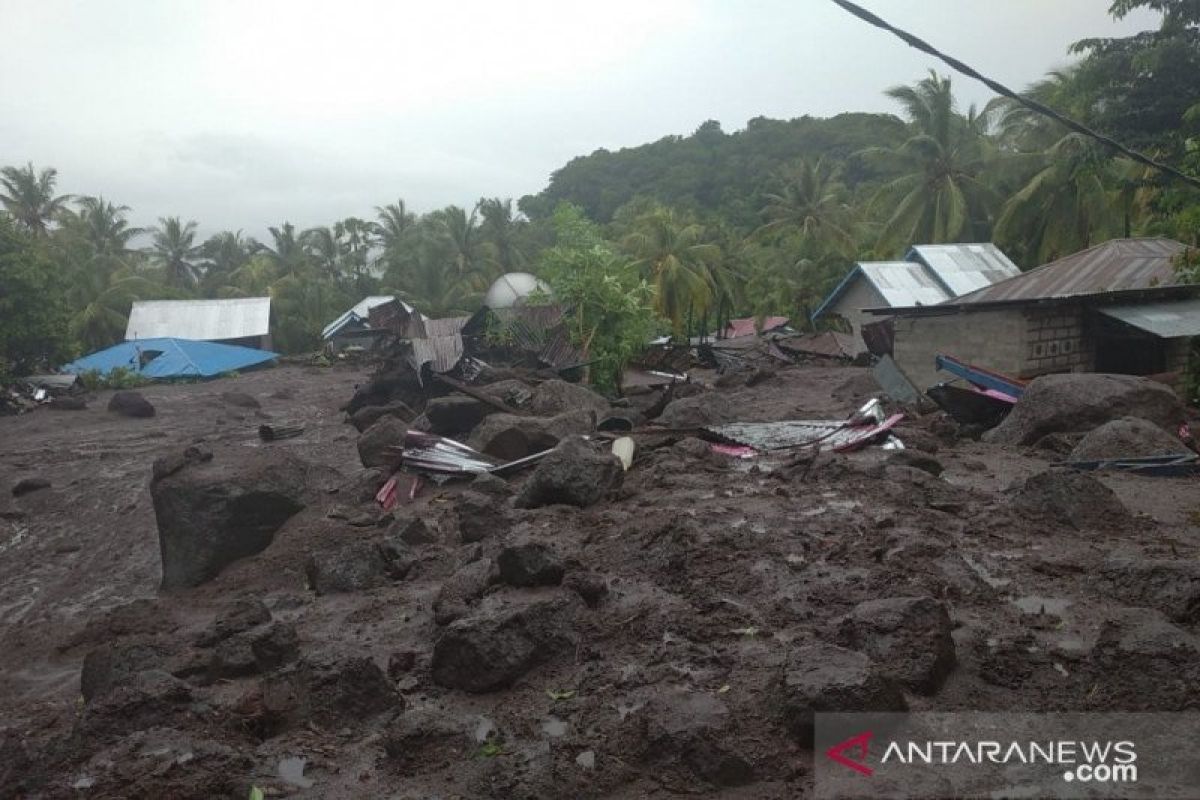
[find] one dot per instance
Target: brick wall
(994, 339)
(1056, 340)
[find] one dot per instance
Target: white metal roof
(965, 267)
(204, 320)
(903, 283)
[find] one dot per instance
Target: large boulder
(508, 437)
(1073, 498)
(367, 416)
(710, 408)
(1078, 402)
(908, 637)
(556, 396)
(211, 513)
(453, 415)
(530, 563)
(350, 567)
(1127, 437)
(130, 404)
(575, 473)
(503, 639)
(1170, 586)
(378, 445)
(822, 677)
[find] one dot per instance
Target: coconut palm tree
(103, 225)
(223, 253)
(677, 257)
(811, 204)
(938, 195)
(394, 225)
(29, 197)
(173, 247)
(502, 228)
(327, 248)
(286, 251)
(1069, 203)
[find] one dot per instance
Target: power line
(1003, 90)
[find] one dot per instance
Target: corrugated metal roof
(904, 283)
(448, 326)
(1116, 265)
(746, 327)
(442, 353)
(202, 320)
(359, 312)
(1168, 320)
(964, 268)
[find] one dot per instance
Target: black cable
(1003, 90)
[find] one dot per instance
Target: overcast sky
(246, 113)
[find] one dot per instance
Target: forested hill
(714, 171)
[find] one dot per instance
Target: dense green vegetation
(672, 235)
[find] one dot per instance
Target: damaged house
(930, 274)
(1117, 307)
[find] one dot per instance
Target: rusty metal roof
(1116, 265)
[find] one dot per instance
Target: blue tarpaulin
(171, 358)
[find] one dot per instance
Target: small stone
(413, 531)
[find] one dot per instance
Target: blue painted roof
(177, 358)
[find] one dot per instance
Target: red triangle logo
(860, 742)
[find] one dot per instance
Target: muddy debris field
(189, 610)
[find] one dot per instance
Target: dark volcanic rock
(414, 531)
(825, 678)
(1082, 401)
(240, 399)
(710, 408)
(556, 396)
(453, 415)
(238, 617)
(131, 404)
(211, 514)
(692, 728)
(529, 564)
(167, 465)
(111, 665)
(460, 591)
(275, 646)
(377, 443)
(368, 416)
(503, 639)
(1073, 498)
(591, 586)
(488, 483)
(1128, 437)
(479, 515)
(509, 437)
(1144, 663)
(27, 485)
(909, 638)
(67, 404)
(574, 474)
(1172, 587)
(352, 567)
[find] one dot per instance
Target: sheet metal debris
(441, 458)
(1173, 465)
(980, 377)
(867, 425)
(895, 383)
(969, 405)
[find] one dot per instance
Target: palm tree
(326, 247)
(103, 226)
(678, 259)
(224, 253)
(501, 227)
(1068, 204)
(809, 203)
(461, 233)
(174, 248)
(287, 252)
(938, 196)
(395, 222)
(29, 197)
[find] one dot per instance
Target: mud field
(667, 640)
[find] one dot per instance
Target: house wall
(850, 305)
(994, 339)
(1056, 340)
